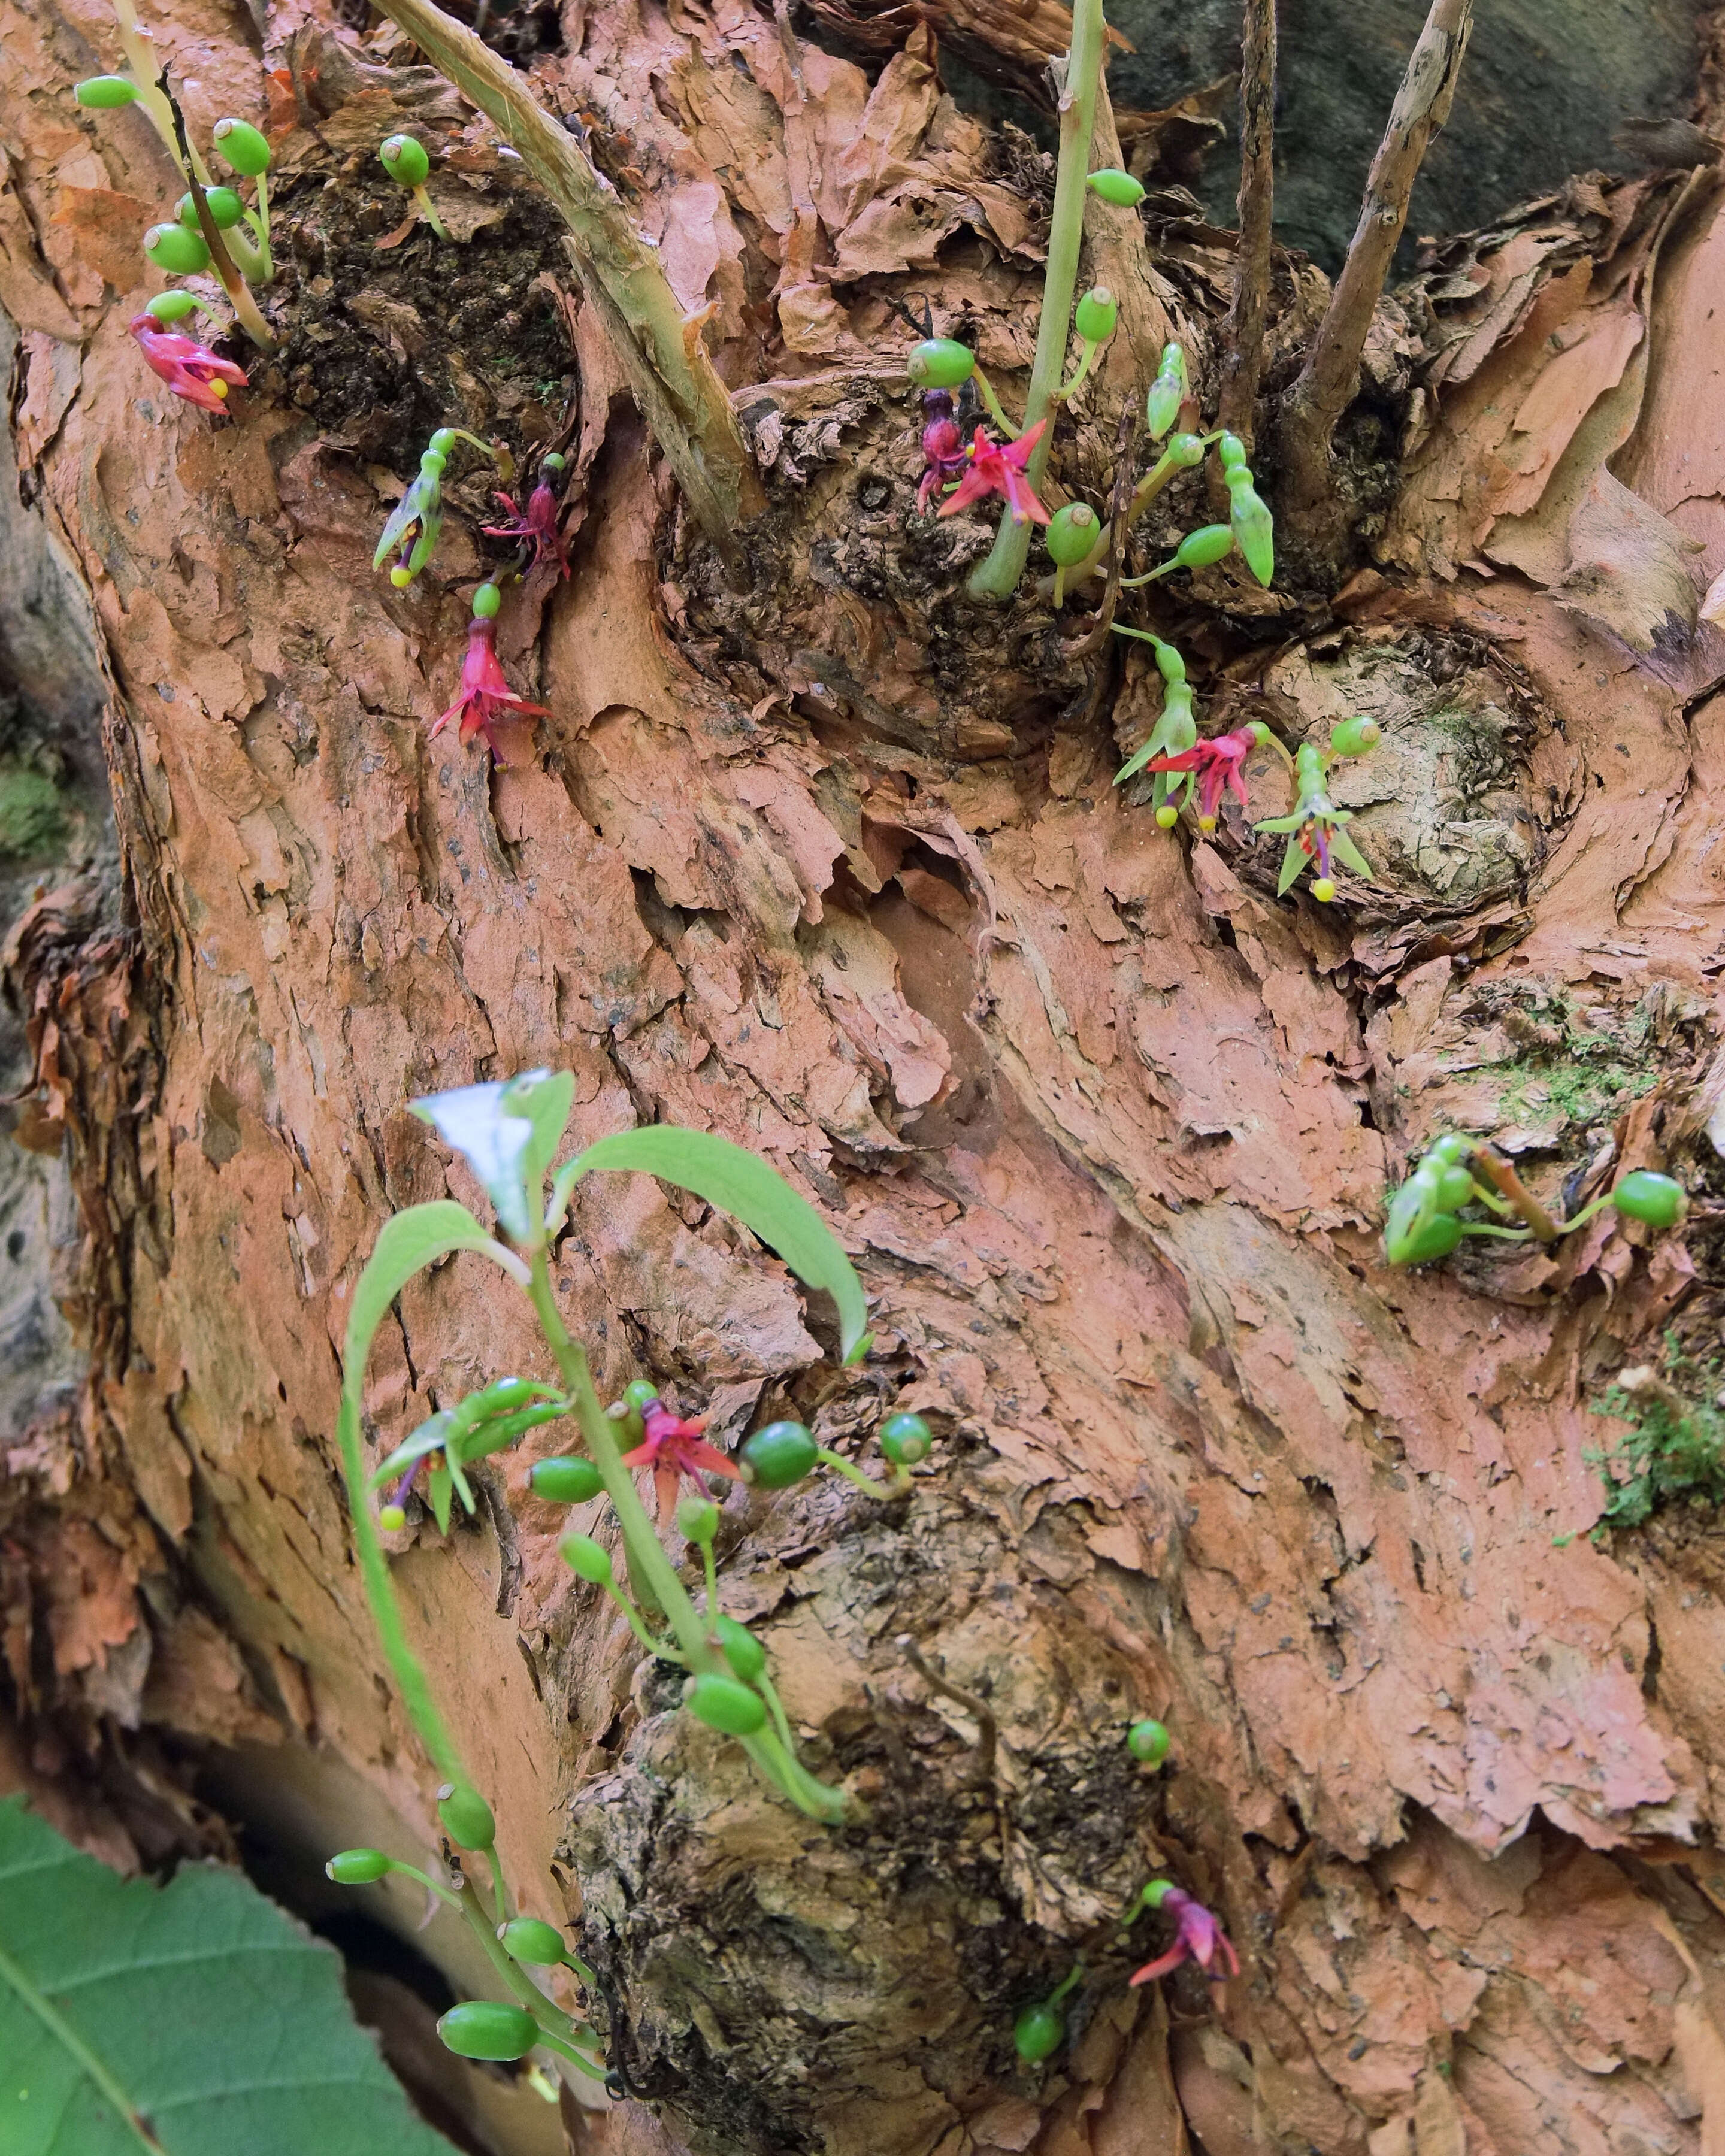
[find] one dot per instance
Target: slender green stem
(247, 260)
(896, 1488)
(637, 1623)
(512, 1972)
(569, 2052)
(1501, 1206)
(710, 1567)
(1586, 1213)
(428, 213)
(499, 1891)
(998, 576)
(260, 225)
(1506, 1234)
(1066, 389)
(985, 389)
(424, 1878)
(1144, 494)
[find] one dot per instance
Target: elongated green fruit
(1071, 533)
(225, 208)
(741, 1648)
(724, 1704)
(172, 248)
(356, 1867)
(242, 146)
(1355, 736)
(1116, 187)
(526, 1940)
(105, 93)
(486, 2029)
(1148, 1741)
(1658, 1199)
(1095, 315)
(905, 1440)
(590, 1559)
(940, 363)
(1038, 2033)
(404, 159)
(171, 306)
(781, 1454)
(466, 1817)
(565, 1481)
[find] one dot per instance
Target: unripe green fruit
(356, 1867)
(466, 1817)
(552, 461)
(1211, 542)
(392, 1518)
(582, 1554)
(526, 1940)
(1354, 736)
(565, 1481)
(1452, 1150)
(1428, 1179)
(105, 93)
(172, 248)
(1156, 1893)
(1232, 451)
(171, 306)
(1071, 533)
(640, 1394)
(1454, 1190)
(486, 2029)
(722, 1703)
(1657, 1200)
(1187, 449)
(1038, 2033)
(1436, 1240)
(242, 146)
(940, 363)
(486, 600)
(226, 210)
(404, 159)
(741, 1648)
(1148, 1741)
(1168, 815)
(778, 1455)
(1116, 187)
(697, 1519)
(905, 1440)
(441, 443)
(1096, 314)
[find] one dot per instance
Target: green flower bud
(1452, 1150)
(1096, 314)
(775, 1457)
(1185, 449)
(1356, 735)
(105, 93)
(553, 461)
(564, 1482)
(171, 306)
(526, 1940)
(940, 363)
(640, 1394)
(486, 2029)
(582, 1554)
(431, 464)
(242, 146)
(1116, 187)
(1170, 665)
(1167, 393)
(1252, 526)
(722, 1703)
(1038, 2033)
(905, 1439)
(1232, 451)
(442, 442)
(466, 1817)
(403, 158)
(1658, 1199)
(1148, 1741)
(1436, 1240)
(1153, 1895)
(1454, 1190)
(697, 1519)
(226, 210)
(486, 600)
(1211, 542)
(1071, 533)
(172, 248)
(356, 1867)
(741, 1648)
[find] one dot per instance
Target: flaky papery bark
(1105, 1128)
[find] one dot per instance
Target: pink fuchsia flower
(1198, 1937)
(1216, 764)
(486, 695)
(674, 1447)
(190, 369)
(943, 452)
(538, 523)
(993, 468)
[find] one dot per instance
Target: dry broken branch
(1244, 337)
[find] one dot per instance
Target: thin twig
(1119, 519)
(669, 372)
(1330, 373)
(1243, 360)
(988, 1730)
(1503, 1177)
(246, 309)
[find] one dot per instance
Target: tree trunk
(832, 864)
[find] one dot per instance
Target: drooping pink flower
(1198, 1937)
(486, 695)
(537, 525)
(190, 369)
(674, 1447)
(992, 469)
(943, 452)
(1218, 763)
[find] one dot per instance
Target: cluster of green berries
(1425, 1220)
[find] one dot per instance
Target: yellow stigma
(1322, 890)
(1168, 815)
(218, 388)
(401, 577)
(1206, 823)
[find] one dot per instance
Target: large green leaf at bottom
(192, 2020)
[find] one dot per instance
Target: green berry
(466, 1817)
(1072, 532)
(1354, 736)
(172, 248)
(640, 1394)
(1436, 1240)
(356, 1867)
(1232, 451)
(226, 210)
(242, 146)
(171, 306)
(905, 1439)
(442, 442)
(553, 461)
(697, 1519)
(1096, 314)
(1186, 449)
(486, 600)
(486, 2029)
(1038, 2033)
(105, 93)
(1452, 1150)
(1116, 187)
(564, 1482)
(582, 1554)
(526, 1940)
(1211, 542)
(781, 1454)
(1657, 1200)
(1454, 1190)
(392, 1518)
(940, 363)
(741, 1648)
(403, 158)
(1148, 1741)
(1156, 1893)
(722, 1703)
(1168, 815)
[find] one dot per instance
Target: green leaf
(431, 1436)
(194, 2020)
(1348, 853)
(1292, 861)
(547, 1101)
(741, 1182)
(443, 1482)
(409, 1243)
(486, 1124)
